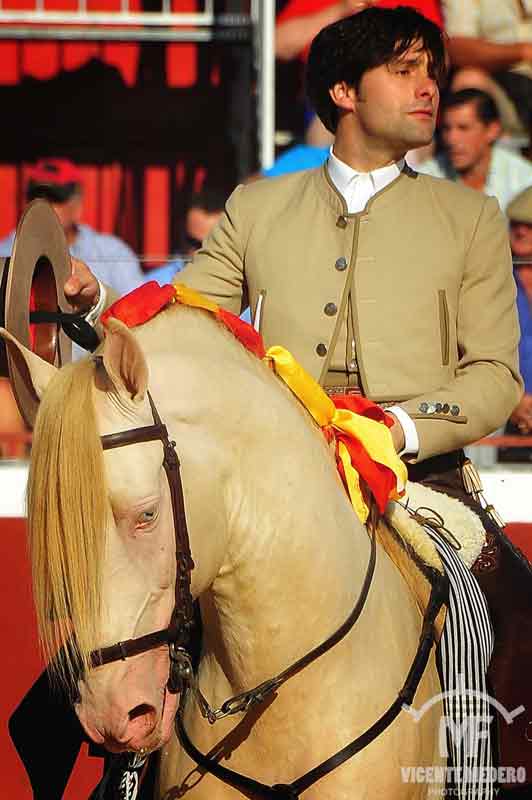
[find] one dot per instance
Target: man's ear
(124, 361)
(35, 370)
(343, 96)
(494, 130)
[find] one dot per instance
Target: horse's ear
(35, 369)
(124, 360)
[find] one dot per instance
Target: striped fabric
(464, 654)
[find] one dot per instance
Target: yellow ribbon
(374, 436)
(189, 297)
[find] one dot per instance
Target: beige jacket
(429, 269)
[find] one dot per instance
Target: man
(203, 213)
(470, 128)
(520, 215)
(491, 41)
(379, 280)
(112, 261)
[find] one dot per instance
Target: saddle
(403, 537)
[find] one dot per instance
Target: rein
(176, 636)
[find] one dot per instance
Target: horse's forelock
(67, 515)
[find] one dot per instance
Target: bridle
(176, 636)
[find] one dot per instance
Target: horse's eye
(146, 517)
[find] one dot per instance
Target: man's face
(69, 213)
(198, 225)
(521, 239)
(466, 138)
(397, 103)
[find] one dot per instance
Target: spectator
(492, 40)
(520, 215)
(204, 210)
(470, 128)
(59, 181)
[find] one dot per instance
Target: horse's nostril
(141, 710)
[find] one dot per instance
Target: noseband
(177, 634)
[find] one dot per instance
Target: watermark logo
(462, 728)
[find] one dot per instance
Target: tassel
(495, 516)
(471, 478)
(473, 486)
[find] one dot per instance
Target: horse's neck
(294, 544)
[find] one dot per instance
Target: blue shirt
(301, 156)
(109, 258)
(524, 310)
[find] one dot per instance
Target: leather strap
(292, 791)
(182, 619)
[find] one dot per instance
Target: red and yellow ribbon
(364, 447)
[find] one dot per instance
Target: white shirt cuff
(93, 315)
(409, 429)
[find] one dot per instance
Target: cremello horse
(279, 560)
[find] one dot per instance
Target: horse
(279, 554)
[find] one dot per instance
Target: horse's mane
(68, 503)
(67, 512)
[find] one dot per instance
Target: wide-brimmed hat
(520, 209)
(32, 279)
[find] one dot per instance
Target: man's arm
(470, 51)
(292, 35)
(487, 385)
(217, 269)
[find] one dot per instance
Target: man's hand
(522, 415)
(398, 435)
(81, 289)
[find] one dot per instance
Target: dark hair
(345, 50)
(209, 199)
(485, 105)
(54, 193)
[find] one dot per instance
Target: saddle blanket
(445, 535)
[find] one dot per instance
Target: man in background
(58, 180)
(204, 210)
(520, 215)
(470, 128)
(490, 44)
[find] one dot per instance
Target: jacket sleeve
(217, 269)
(487, 385)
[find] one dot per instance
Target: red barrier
(21, 664)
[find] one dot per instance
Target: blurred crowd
(483, 140)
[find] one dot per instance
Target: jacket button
(321, 349)
(341, 264)
(330, 309)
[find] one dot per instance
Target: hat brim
(32, 279)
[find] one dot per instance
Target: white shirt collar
(343, 176)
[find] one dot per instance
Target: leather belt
(331, 390)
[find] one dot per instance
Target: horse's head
(102, 539)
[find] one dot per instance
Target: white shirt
(357, 188)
